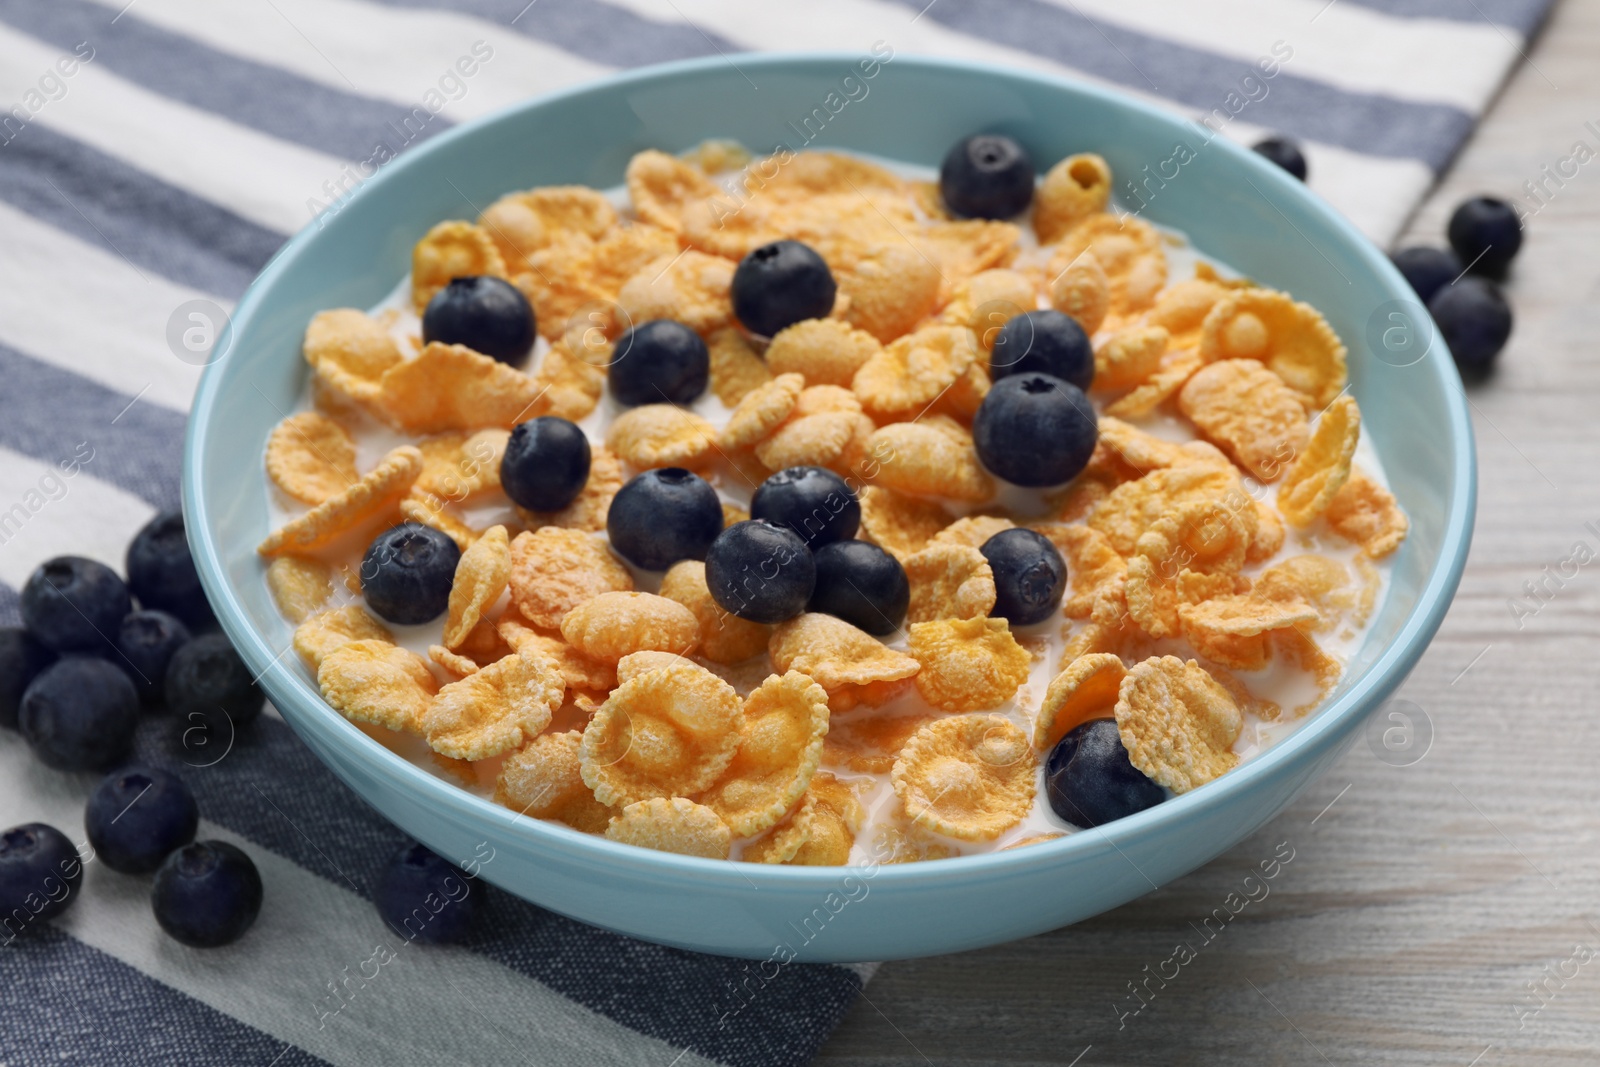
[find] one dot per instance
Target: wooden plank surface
(1439, 913)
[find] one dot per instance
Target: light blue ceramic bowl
(1231, 203)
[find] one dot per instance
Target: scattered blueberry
(485, 313)
(407, 573)
(1486, 233)
(760, 571)
(72, 604)
(662, 516)
(1474, 320)
(146, 640)
(1427, 269)
(206, 894)
(79, 714)
(987, 176)
(546, 463)
(1043, 342)
(1284, 152)
(779, 284)
(21, 659)
(208, 686)
(1030, 576)
(1090, 780)
(1035, 430)
(40, 873)
(812, 501)
(161, 572)
(424, 897)
(137, 815)
(659, 362)
(861, 584)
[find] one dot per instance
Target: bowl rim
(304, 707)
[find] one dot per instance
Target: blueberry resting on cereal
(545, 463)
(658, 362)
(780, 284)
(1035, 430)
(663, 516)
(1090, 780)
(1044, 342)
(987, 176)
(1030, 576)
(814, 502)
(760, 571)
(407, 572)
(487, 314)
(862, 584)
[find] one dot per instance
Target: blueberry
(72, 604)
(987, 176)
(487, 314)
(812, 501)
(1284, 152)
(407, 573)
(21, 659)
(1427, 269)
(659, 362)
(779, 284)
(760, 571)
(546, 463)
(1035, 430)
(861, 584)
(210, 690)
(40, 873)
(1090, 780)
(1486, 233)
(137, 815)
(161, 572)
(1474, 320)
(1043, 342)
(1030, 576)
(79, 714)
(206, 894)
(146, 640)
(662, 516)
(424, 897)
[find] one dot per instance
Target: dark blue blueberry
(1284, 152)
(546, 463)
(760, 571)
(407, 573)
(1486, 233)
(861, 584)
(1474, 320)
(79, 714)
(1090, 780)
(1427, 269)
(987, 176)
(210, 690)
(1035, 430)
(659, 362)
(72, 604)
(487, 314)
(1043, 342)
(663, 516)
(161, 572)
(812, 501)
(1029, 576)
(424, 897)
(147, 640)
(780, 284)
(40, 872)
(21, 659)
(206, 894)
(137, 815)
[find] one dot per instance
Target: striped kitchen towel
(154, 152)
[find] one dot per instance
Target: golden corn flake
(888, 291)
(901, 525)
(662, 186)
(1072, 190)
(761, 411)
(560, 283)
(736, 369)
(870, 745)
(1182, 309)
(1086, 689)
(966, 776)
(1269, 534)
(912, 372)
(1246, 614)
(377, 682)
(1323, 468)
(1078, 287)
(553, 570)
(454, 662)
(311, 457)
(1140, 452)
(1133, 507)
(1177, 723)
(496, 709)
(1091, 564)
(967, 246)
(949, 581)
(672, 825)
(822, 351)
(837, 816)
(481, 576)
(972, 531)
(1240, 652)
(516, 230)
(928, 459)
(326, 631)
(611, 625)
(1301, 650)
(690, 287)
(1248, 412)
(299, 586)
(461, 467)
(569, 386)
(451, 250)
(1158, 389)
(668, 733)
(985, 302)
(544, 779)
(350, 352)
(576, 669)
(451, 387)
(1129, 357)
(780, 746)
(819, 440)
(1366, 513)
(783, 842)
(968, 664)
(1317, 580)
(1128, 249)
(377, 493)
(636, 663)
(1292, 339)
(662, 435)
(724, 638)
(1190, 554)
(430, 510)
(835, 654)
(808, 174)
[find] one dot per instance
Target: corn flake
(576, 669)
(724, 638)
(311, 457)
(1158, 389)
(672, 825)
(454, 662)
(1324, 467)
(690, 287)
(377, 682)
(966, 776)
(870, 745)
(901, 525)
(496, 709)
(430, 510)
(544, 779)
(451, 387)
(968, 664)
(326, 631)
(819, 440)
(1127, 248)
(835, 654)
(662, 186)
(929, 459)
(949, 581)
(1246, 615)
(451, 250)
(1086, 689)
(1133, 507)
(1292, 339)
(668, 733)
(1079, 287)
(1366, 513)
(1129, 357)
(611, 625)
(973, 530)
(1248, 412)
(1177, 723)
(780, 746)
(1072, 190)
(912, 372)
(553, 570)
(636, 663)
(350, 352)
(662, 435)
(736, 369)
(823, 351)
(376, 494)
(783, 842)
(481, 576)
(569, 386)
(761, 411)
(889, 290)
(837, 817)
(299, 586)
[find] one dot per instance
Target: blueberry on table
(22, 657)
(161, 571)
(1035, 430)
(663, 516)
(659, 362)
(146, 641)
(40, 873)
(861, 584)
(73, 604)
(407, 573)
(487, 314)
(206, 894)
(1043, 342)
(1474, 320)
(1284, 152)
(207, 683)
(1030, 577)
(760, 571)
(812, 501)
(424, 897)
(1486, 234)
(79, 714)
(1427, 269)
(987, 176)
(780, 284)
(1090, 780)
(546, 463)
(136, 817)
